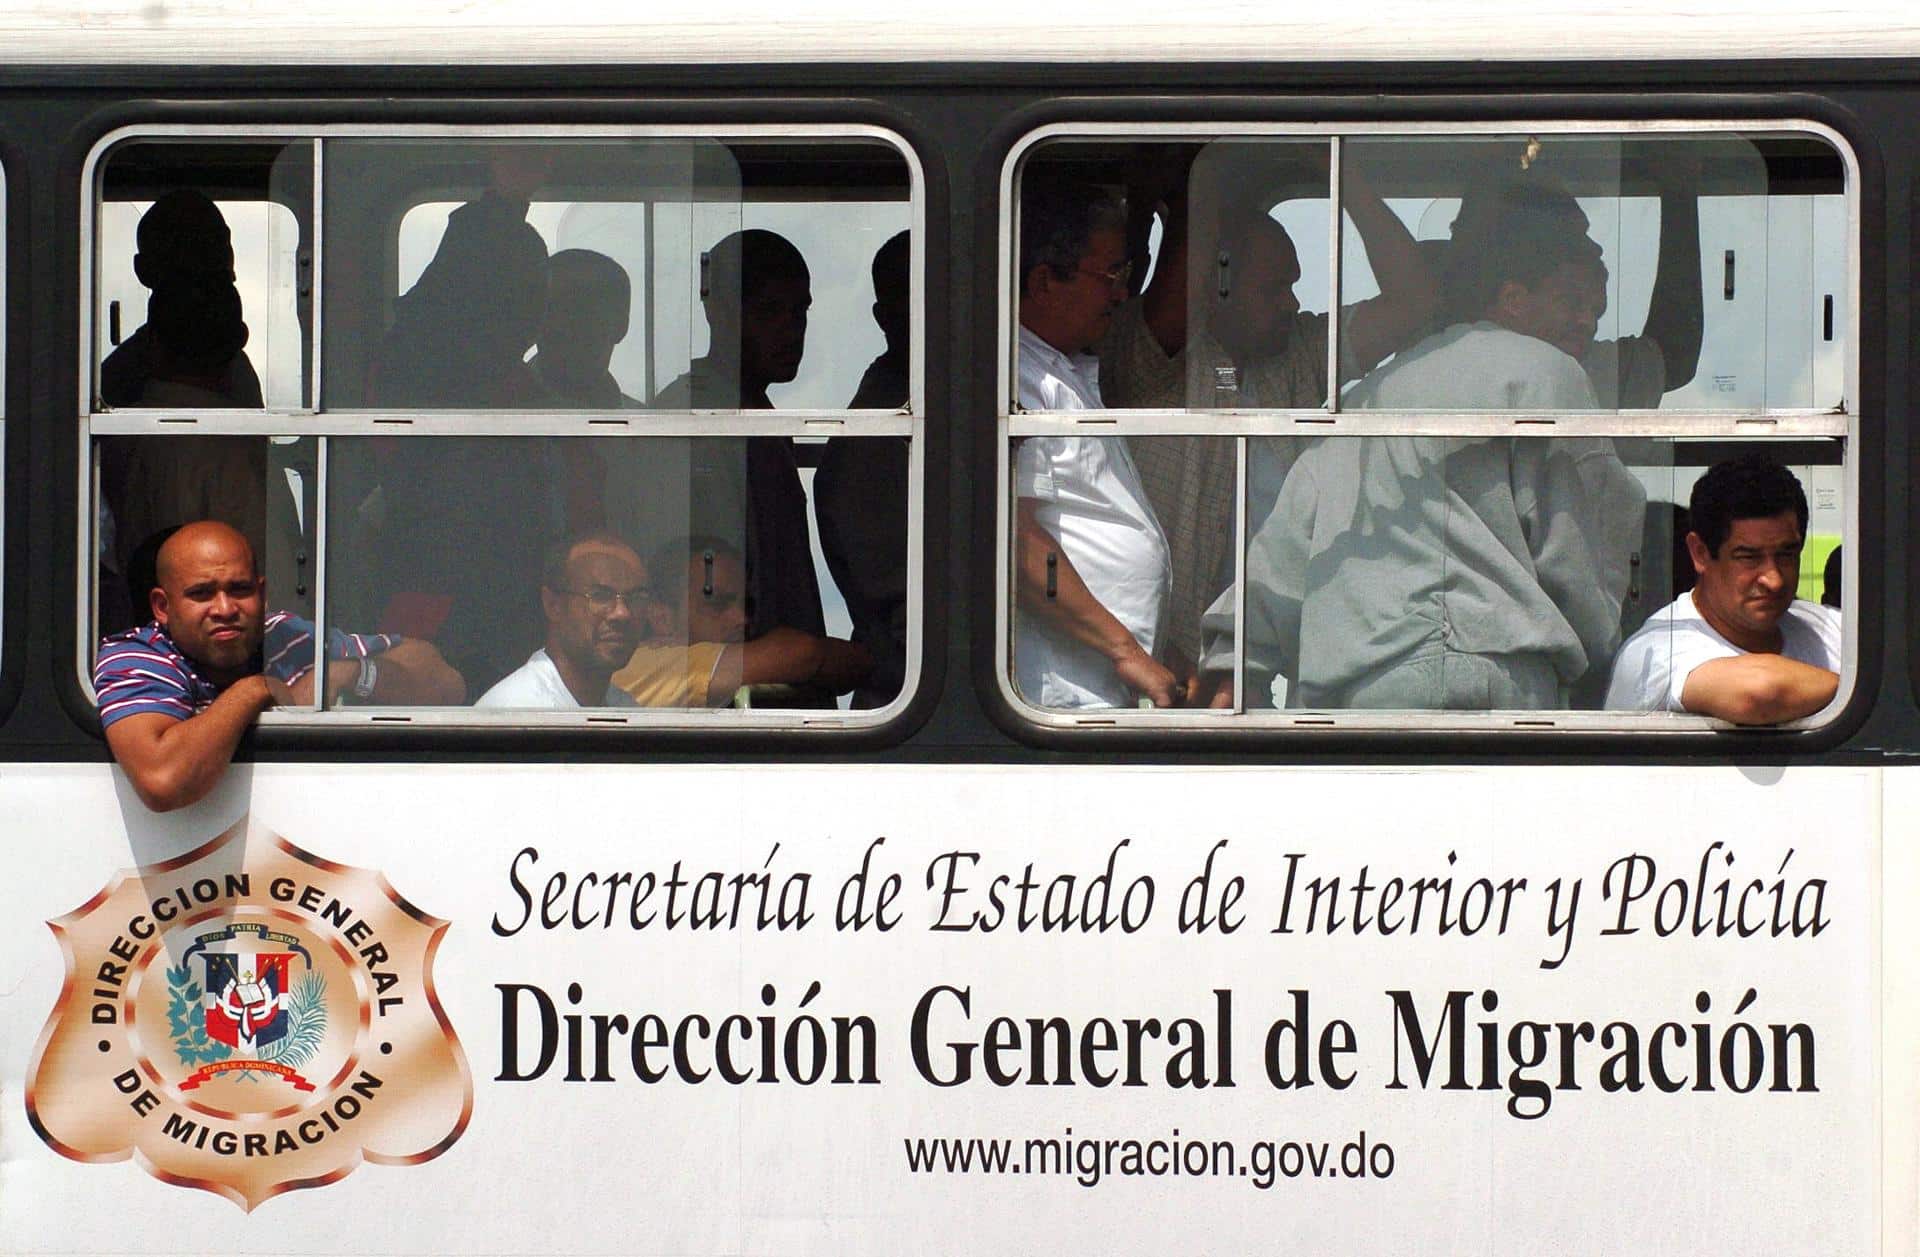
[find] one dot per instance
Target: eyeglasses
(1115, 277)
(601, 599)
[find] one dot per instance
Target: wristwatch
(362, 692)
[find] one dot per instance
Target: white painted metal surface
(531, 32)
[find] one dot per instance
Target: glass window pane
(858, 492)
(1102, 618)
(618, 274)
(204, 275)
(439, 278)
(151, 485)
(1183, 268)
(1698, 276)
(459, 542)
(1519, 285)
(1442, 573)
(1255, 321)
(1744, 573)
(1500, 573)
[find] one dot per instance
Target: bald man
(176, 696)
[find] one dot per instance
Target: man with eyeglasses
(1091, 564)
(595, 595)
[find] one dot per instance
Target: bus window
(1454, 524)
(734, 317)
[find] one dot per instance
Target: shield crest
(246, 996)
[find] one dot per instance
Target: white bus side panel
(1751, 1155)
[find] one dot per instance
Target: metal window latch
(1053, 574)
(1633, 577)
(706, 565)
(1726, 282)
(1224, 264)
(113, 322)
(706, 273)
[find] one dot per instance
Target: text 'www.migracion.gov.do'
(1088, 1161)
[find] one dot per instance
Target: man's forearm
(1676, 316)
(412, 674)
(1057, 594)
(788, 656)
(174, 763)
(1758, 689)
(1408, 293)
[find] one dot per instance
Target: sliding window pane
(204, 266)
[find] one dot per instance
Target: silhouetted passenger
(460, 335)
(756, 293)
(189, 354)
(860, 492)
(467, 518)
(194, 334)
(589, 307)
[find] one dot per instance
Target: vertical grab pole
(320, 576)
(320, 453)
(1239, 576)
(1335, 221)
(646, 299)
(315, 305)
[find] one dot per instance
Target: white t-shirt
(1091, 499)
(536, 685)
(1652, 668)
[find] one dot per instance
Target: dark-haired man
(1091, 562)
(860, 490)
(1739, 645)
(756, 296)
(176, 696)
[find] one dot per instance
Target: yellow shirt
(668, 674)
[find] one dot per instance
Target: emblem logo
(248, 1019)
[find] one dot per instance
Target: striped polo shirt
(142, 671)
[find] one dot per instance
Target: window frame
(313, 420)
(1012, 423)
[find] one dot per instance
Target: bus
(1031, 448)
